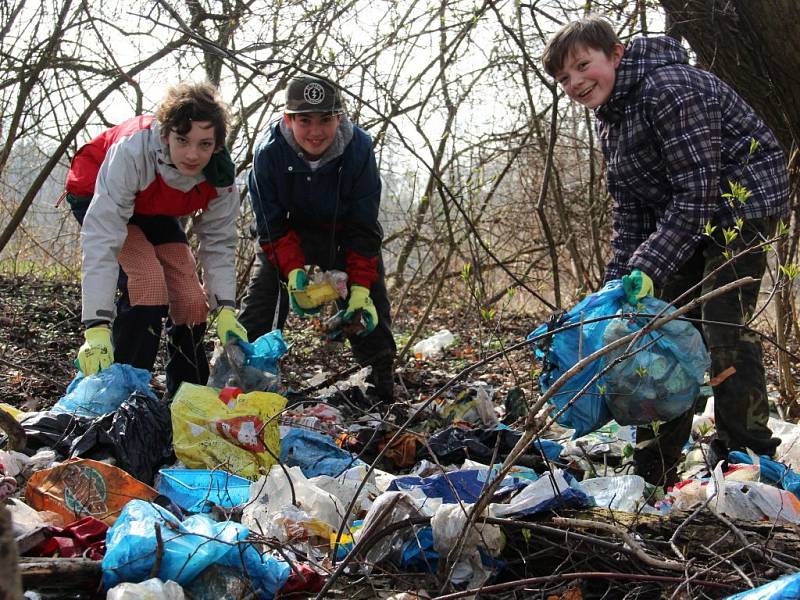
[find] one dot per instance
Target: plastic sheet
(622, 492)
(241, 437)
(102, 393)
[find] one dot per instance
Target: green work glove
(96, 353)
(298, 280)
(228, 326)
(360, 300)
(637, 285)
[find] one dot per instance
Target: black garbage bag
(138, 436)
(454, 445)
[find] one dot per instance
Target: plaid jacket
(673, 137)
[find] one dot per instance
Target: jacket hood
(343, 136)
(642, 57)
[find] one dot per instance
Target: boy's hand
(298, 280)
(360, 300)
(637, 285)
(228, 325)
(96, 353)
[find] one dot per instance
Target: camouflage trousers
(741, 409)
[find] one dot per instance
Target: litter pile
(244, 489)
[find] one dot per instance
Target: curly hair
(187, 102)
(592, 31)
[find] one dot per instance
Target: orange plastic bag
(240, 435)
(79, 488)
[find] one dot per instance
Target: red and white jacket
(127, 169)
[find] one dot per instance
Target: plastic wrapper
(103, 392)
(549, 492)
(80, 488)
(241, 436)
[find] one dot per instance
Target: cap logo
(314, 93)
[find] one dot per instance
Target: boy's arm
(687, 125)
(363, 231)
(280, 243)
(217, 235)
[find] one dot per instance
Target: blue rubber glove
(228, 326)
(96, 353)
(298, 280)
(360, 300)
(637, 285)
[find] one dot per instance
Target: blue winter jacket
(342, 195)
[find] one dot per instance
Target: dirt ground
(40, 333)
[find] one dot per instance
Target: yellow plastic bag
(241, 436)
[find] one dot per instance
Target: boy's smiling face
(313, 132)
(588, 75)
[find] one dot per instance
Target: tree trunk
(754, 46)
(10, 588)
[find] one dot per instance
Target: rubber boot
(187, 360)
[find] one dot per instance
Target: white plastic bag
(152, 589)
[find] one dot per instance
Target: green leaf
(709, 229)
(466, 272)
(754, 145)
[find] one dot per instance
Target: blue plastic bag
(661, 378)
(464, 485)
(658, 382)
(315, 454)
(196, 490)
(785, 588)
(771, 471)
(563, 350)
(189, 548)
(265, 352)
(104, 392)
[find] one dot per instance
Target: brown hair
(593, 31)
(187, 102)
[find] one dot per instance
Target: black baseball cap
(310, 94)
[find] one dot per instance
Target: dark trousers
(136, 330)
(741, 407)
(265, 307)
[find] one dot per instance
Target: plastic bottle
(433, 345)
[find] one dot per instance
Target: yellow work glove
(96, 353)
(228, 326)
(298, 280)
(637, 285)
(360, 300)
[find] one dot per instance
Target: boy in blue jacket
(676, 140)
(316, 192)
